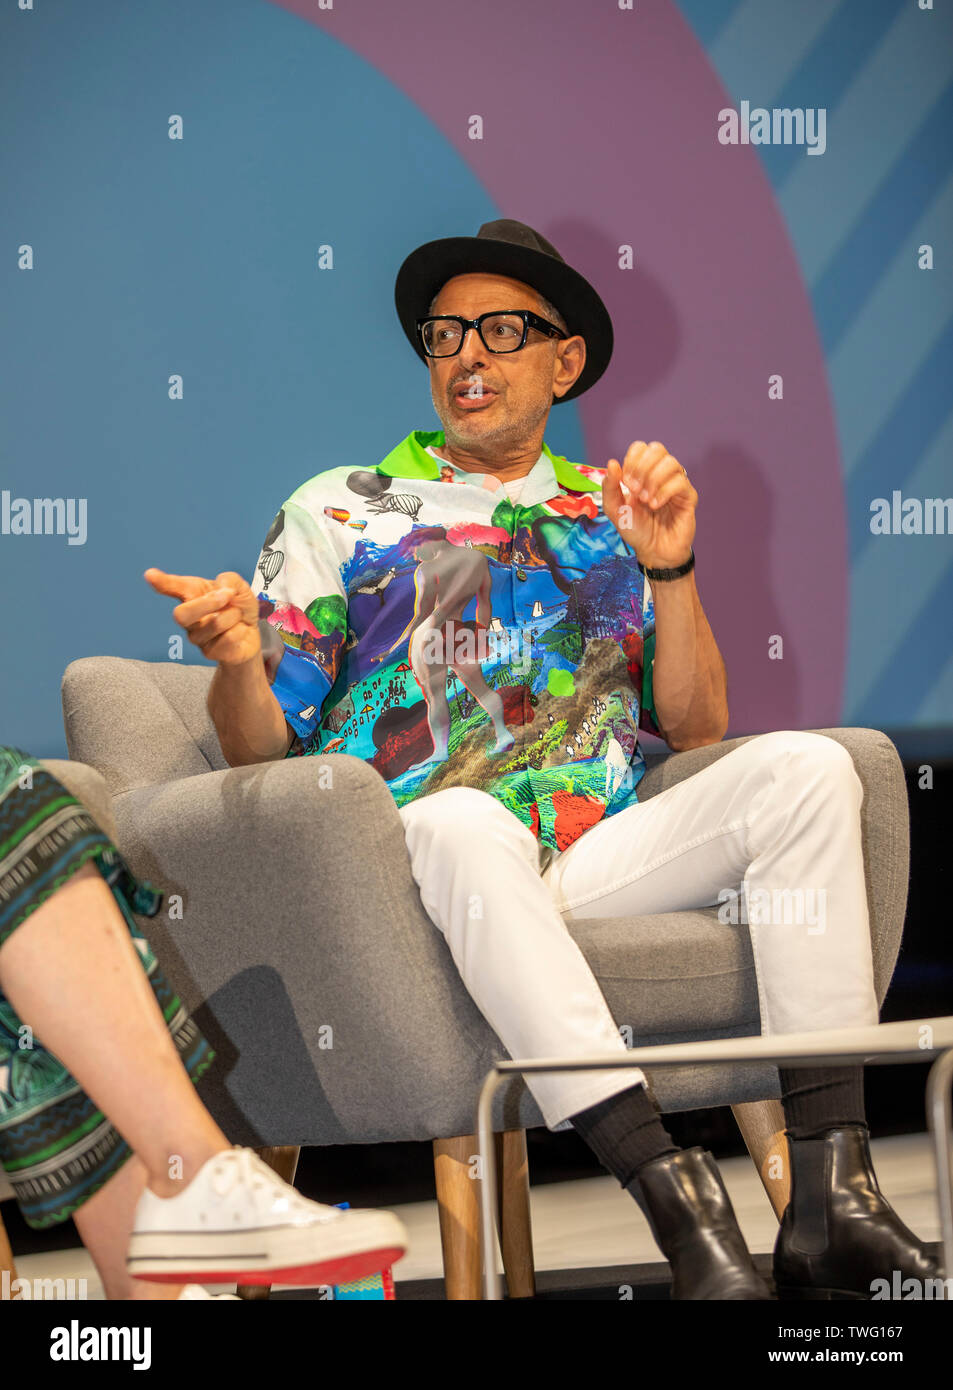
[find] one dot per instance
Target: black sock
(820, 1098)
(625, 1132)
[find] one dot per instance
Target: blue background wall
(197, 257)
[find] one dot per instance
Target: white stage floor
(592, 1223)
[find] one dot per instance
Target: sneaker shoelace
(240, 1167)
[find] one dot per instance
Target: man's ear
(582, 344)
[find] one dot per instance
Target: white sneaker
(237, 1222)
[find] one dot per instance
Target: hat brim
(427, 270)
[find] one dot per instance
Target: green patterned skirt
(56, 1147)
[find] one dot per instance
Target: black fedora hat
(512, 249)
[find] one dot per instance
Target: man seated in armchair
(490, 626)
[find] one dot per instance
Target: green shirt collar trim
(411, 460)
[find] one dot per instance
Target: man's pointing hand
(220, 615)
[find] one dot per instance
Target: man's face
(484, 397)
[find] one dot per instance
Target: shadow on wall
(735, 536)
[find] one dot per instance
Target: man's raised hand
(220, 615)
(651, 503)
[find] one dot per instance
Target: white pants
(771, 832)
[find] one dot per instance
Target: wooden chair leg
(762, 1127)
(458, 1203)
(516, 1232)
(283, 1160)
(6, 1254)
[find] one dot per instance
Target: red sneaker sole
(340, 1271)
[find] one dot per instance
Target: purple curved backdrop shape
(600, 130)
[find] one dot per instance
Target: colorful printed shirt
(452, 637)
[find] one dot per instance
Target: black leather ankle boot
(695, 1227)
(839, 1233)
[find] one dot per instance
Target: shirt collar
(411, 460)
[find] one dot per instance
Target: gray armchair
(295, 932)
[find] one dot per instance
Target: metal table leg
(492, 1284)
(940, 1122)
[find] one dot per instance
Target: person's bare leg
(73, 974)
(104, 1224)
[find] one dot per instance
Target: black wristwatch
(669, 574)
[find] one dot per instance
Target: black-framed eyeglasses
(499, 330)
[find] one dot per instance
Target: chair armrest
(89, 787)
(885, 826)
(299, 913)
(307, 811)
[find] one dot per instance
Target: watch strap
(670, 573)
